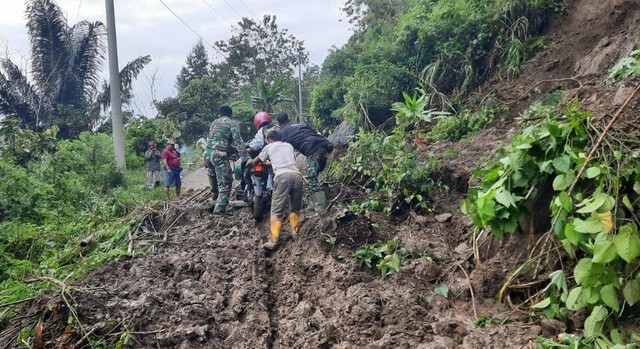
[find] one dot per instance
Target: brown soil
(211, 285)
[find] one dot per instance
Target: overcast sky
(147, 27)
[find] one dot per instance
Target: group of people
(167, 161)
(273, 144)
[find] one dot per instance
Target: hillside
(205, 281)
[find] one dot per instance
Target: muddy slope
(211, 285)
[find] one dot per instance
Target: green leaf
(604, 251)
(562, 163)
(593, 324)
(627, 243)
(563, 181)
(442, 290)
(609, 297)
(542, 304)
(631, 291)
(574, 299)
(627, 203)
(587, 273)
(589, 226)
(593, 172)
(571, 234)
(505, 198)
(593, 205)
(565, 201)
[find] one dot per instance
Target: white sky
(147, 27)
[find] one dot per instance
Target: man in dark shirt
(312, 145)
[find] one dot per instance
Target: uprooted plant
(596, 197)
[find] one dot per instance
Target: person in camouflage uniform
(224, 144)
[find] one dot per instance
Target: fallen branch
(473, 298)
(50, 280)
(94, 328)
(166, 231)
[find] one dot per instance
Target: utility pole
(114, 83)
(300, 87)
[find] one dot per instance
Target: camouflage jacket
(224, 136)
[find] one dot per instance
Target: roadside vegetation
(405, 80)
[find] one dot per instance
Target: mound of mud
(212, 285)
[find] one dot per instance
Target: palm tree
(65, 70)
(269, 95)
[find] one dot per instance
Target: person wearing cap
(152, 159)
(287, 186)
(224, 144)
(171, 168)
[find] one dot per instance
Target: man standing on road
(171, 168)
(224, 144)
(312, 145)
(287, 187)
(152, 158)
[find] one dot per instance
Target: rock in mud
(444, 217)
(551, 327)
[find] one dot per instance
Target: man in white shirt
(287, 187)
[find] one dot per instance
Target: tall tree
(197, 66)
(259, 51)
(65, 69)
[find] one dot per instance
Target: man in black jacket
(312, 145)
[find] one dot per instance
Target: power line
(252, 15)
(193, 30)
(216, 11)
(233, 8)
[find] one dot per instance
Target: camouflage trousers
(211, 172)
(315, 164)
(224, 177)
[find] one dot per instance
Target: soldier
(224, 144)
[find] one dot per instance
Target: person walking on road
(287, 186)
(152, 159)
(224, 144)
(171, 168)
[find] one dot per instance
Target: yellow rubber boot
(276, 226)
(294, 221)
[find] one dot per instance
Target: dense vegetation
(55, 193)
(447, 47)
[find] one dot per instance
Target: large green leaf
(575, 301)
(587, 273)
(593, 324)
(627, 243)
(562, 163)
(593, 205)
(593, 172)
(563, 181)
(609, 297)
(589, 226)
(631, 291)
(565, 201)
(571, 234)
(604, 251)
(505, 198)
